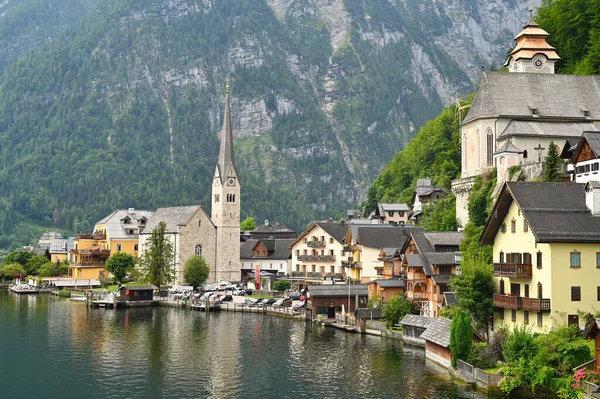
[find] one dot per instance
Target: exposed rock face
(324, 92)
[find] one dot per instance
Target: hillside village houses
(514, 116)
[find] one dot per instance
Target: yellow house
(59, 250)
(546, 240)
(117, 232)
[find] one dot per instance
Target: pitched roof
(392, 207)
(278, 249)
(422, 243)
(226, 156)
(381, 235)
(593, 140)
(415, 260)
(116, 228)
(442, 278)
(272, 228)
(59, 245)
(337, 290)
(508, 147)
(556, 212)
(546, 129)
(552, 95)
(336, 230)
(450, 298)
(141, 287)
(445, 238)
(173, 217)
(441, 258)
(438, 332)
(416, 321)
(390, 283)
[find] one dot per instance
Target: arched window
(118, 247)
(198, 250)
(525, 154)
(490, 148)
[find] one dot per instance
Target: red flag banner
(257, 276)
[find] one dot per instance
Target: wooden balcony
(350, 248)
(412, 276)
(536, 305)
(418, 296)
(514, 270)
(521, 303)
(508, 301)
(317, 258)
(316, 244)
(352, 265)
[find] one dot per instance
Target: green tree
(553, 162)
(119, 265)
(461, 336)
(19, 256)
(397, 307)
(8, 271)
(195, 271)
(36, 263)
(156, 264)
(474, 289)
(281, 285)
(248, 224)
(440, 216)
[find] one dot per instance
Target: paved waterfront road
(55, 349)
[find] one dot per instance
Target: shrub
(396, 308)
(461, 336)
(64, 293)
(281, 285)
(482, 356)
(519, 343)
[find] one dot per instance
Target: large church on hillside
(515, 115)
(193, 232)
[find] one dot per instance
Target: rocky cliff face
(324, 92)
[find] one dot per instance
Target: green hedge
(64, 293)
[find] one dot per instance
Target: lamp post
(350, 259)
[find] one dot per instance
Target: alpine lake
(53, 348)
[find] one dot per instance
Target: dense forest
(111, 104)
(574, 28)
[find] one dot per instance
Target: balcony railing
(350, 248)
(520, 303)
(352, 265)
(316, 244)
(536, 305)
(314, 275)
(298, 274)
(92, 252)
(514, 270)
(317, 258)
(418, 295)
(416, 276)
(336, 276)
(508, 301)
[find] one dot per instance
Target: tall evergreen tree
(553, 162)
(461, 336)
(156, 264)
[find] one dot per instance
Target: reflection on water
(50, 347)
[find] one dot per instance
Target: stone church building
(515, 115)
(193, 232)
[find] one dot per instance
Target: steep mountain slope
(123, 108)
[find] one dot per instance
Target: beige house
(515, 115)
(546, 240)
(391, 213)
(319, 251)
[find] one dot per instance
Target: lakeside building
(546, 253)
(271, 255)
(429, 261)
(515, 115)
(193, 232)
(117, 232)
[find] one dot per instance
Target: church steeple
(532, 53)
(226, 157)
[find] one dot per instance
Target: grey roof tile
(496, 97)
(337, 290)
(173, 217)
(438, 332)
(416, 321)
(546, 129)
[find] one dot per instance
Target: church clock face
(538, 61)
(231, 181)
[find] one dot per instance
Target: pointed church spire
(226, 158)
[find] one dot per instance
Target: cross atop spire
(226, 156)
(531, 10)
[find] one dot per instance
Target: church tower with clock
(226, 206)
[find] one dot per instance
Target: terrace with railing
(316, 244)
(514, 270)
(509, 301)
(352, 265)
(317, 258)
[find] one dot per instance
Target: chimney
(267, 223)
(131, 211)
(592, 197)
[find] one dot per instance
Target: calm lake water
(53, 348)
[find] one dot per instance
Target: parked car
(295, 296)
(299, 306)
(250, 302)
(267, 302)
